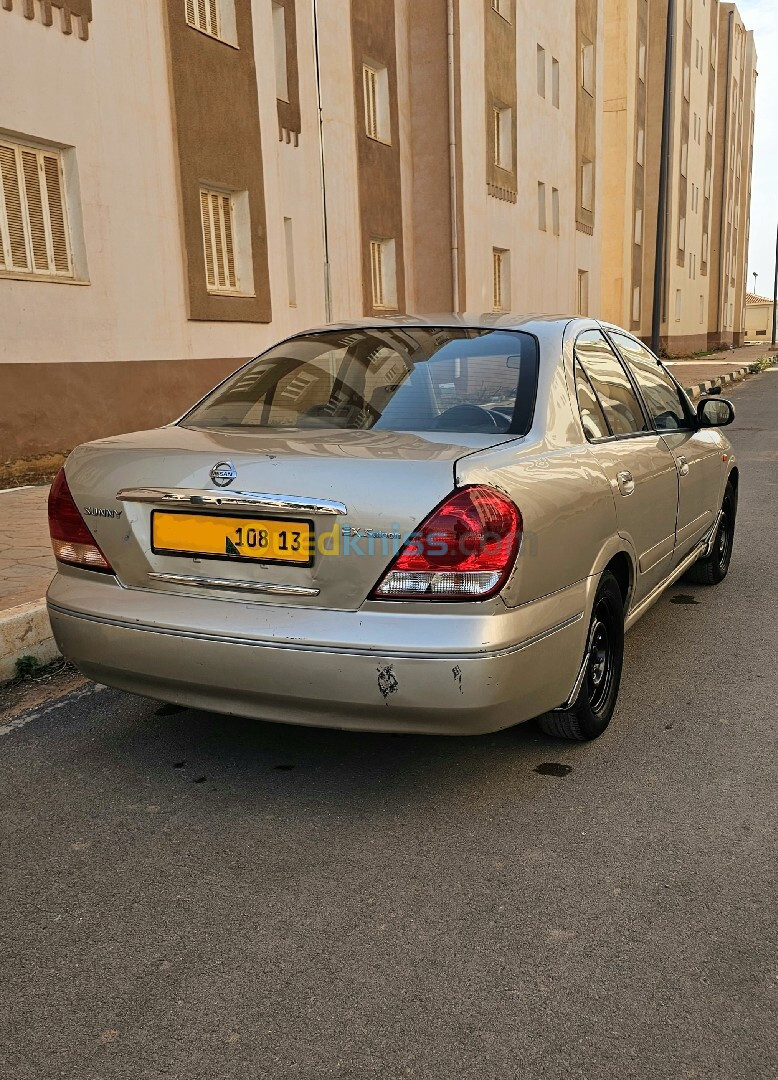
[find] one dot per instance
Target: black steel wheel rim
(724, 538)
(601, 661)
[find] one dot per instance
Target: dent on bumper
(365, 688)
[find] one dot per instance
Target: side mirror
(715, 412)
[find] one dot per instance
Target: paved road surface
(193, 897)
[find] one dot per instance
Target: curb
(721, 380)
(25, 631)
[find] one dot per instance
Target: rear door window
(592, 417)
(661, 395)
(611, 384)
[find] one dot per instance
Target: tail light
(465, 550)
(71, 539)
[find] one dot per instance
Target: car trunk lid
(359, 492)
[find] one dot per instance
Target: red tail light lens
(465, 550)
(71, 539)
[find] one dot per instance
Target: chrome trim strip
(226, 500)
(304, 647)
(265, 587)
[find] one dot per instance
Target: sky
(761, 16)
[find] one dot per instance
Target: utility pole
(775, 293)
(755, 276)
(664, 169)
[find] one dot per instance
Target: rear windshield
(428, 379)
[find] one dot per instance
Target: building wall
(695, 244)
(149, 111)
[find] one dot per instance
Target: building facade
(713, 73)
(186, 182)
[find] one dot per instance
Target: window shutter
(218, 242)
(202, 17)
(371, 102)
(216, 213)
(496, 280)
(190, 12)
(35, 211)
(497, 140)
(377, 272)
(229, 247)
(57, 221)
(14, 219)
(205, 211)
(213, 11)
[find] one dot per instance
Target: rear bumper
(126, 638)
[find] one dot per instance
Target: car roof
(471, 321)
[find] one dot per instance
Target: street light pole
(775, 292)
(661, 216)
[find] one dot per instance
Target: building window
(383, 273)
(541, 62)
(642, 61)
(501, 279)
(678, 303)
(587, 65)
(502, 119)
(682, 234)
(710, 116)
(687, 80)
(583, 292)
(541, 206)
(684, 158)
(705, 247)
(291, 279)
(34, 234)
(587, 185)
(639, 226)
(502, 7)
(203, 15)
(375, 83)
(555, 210)
(707, 183)
(636, 304)
(279, 47)
(555, 82)
(640, 151)
(218, 218)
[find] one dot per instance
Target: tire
(714, 568)
(592, 710)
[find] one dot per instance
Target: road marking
(23, 719)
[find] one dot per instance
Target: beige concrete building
(759, 318)
(706, 228)
(186, 182)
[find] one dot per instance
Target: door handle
(683, 466)
(626, 482)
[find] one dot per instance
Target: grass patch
(762, 364)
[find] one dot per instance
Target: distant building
(759, 318)
(709, 174)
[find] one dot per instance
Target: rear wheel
(714, 567)
(594, 706)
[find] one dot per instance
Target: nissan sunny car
(438, 526)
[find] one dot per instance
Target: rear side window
(610, 383)
(393, 379)
(660, 393)
(592, 417)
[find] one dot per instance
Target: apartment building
(708, 170)
(185, 182)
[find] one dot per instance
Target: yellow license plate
(217, 537)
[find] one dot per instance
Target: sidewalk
(27, 564)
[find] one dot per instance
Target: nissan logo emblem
(223, 473)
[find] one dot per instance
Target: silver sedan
(400, 525)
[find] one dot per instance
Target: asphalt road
(191, 896)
